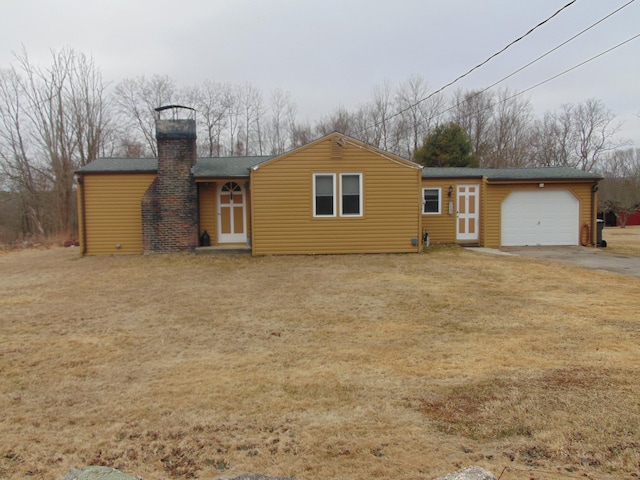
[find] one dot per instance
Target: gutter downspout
(421, 228)
(83, 214)
(594, 212)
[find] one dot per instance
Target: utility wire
(574, 67)
(550, 78)
(474, 68)
(479, 92)
(500, 51)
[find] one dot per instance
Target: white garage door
(540, 217)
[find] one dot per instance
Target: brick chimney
(170, 204)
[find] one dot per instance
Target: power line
(474, 68)
(557, 47)
(575, 66)
(500, 51)
(548, 79)
(479, 92)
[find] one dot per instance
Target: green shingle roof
(120, 165)
(211, 167)
(205, 167)
(542, 173)
(227, 166)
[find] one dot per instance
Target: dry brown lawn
(319, 367)
(624, 241)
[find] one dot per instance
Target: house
(633, 219)
(333, 195)
(612, 220)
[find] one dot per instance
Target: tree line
(59, 117)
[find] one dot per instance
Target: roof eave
(544, 180)
(218, 177)
(111, 172)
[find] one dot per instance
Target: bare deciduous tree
(22, 175)
(234, 110)
(595, 129)
(510, 130)
(281, 122)
(91, 110)
(251, 109)
(473, 110)
(301, 134)
(339, 121)
(210, 102)
(551, 141)
(136, 99)
(419, 113)
(380, 113)
(578, 135)
(54, 120)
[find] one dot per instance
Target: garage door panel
(540, 217)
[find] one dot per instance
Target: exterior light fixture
(450, 190)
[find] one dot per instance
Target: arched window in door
(231, 188)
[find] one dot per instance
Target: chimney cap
(175, 109)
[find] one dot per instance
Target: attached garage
(517, 206)
(540, 218)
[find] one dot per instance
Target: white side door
(468, 212)
(232, 218)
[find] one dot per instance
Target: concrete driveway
(596, 258)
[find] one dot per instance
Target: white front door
(468, 213)
(232, 218)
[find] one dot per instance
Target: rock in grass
(107, 473)
(98, 473)
(471, 473)
(256, 476)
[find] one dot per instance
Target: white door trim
(232, 205)
(468, 222)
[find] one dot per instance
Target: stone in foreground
(98, 473)
(471, 473)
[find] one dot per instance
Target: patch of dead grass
(623, 241)
(403, 366)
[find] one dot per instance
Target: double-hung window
(343, 199)
(431, 200)
(324, 187)
(351, 194)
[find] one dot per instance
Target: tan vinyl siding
(588, 212)
(441, 227)
(112, 209)
(81, 220)
(282, 193)
(208, 210)
(496, 193)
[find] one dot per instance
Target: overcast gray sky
(330, 53)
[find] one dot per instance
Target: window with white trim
(351, 194)
(324, 199)
(431, 200)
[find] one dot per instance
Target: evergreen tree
(446, 146)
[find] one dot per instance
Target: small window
(431, 200)
(350, 191)
(324, 195)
